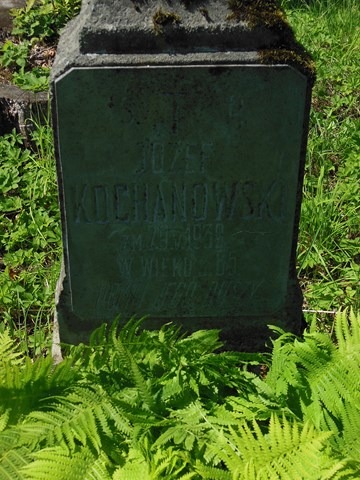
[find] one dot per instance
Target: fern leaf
(347, 330)
(4, 419)
(82, 416)
(283, 372)
(135, 468)
(333, 375)
(13, 456)
(192, 427)
(56, 464)
(24, 383)
(136, 375)
(98, 336)
(213, 473)
(12, 462)
(288, 450)
(349, 440)
(319, 380)
(201, 341)
(187, 476)
(129, 332)
(10, 351)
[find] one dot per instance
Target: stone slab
(180, 193)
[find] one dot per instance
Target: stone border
(17, 106)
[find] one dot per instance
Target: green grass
(329, 242)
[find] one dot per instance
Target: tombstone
(180, 134)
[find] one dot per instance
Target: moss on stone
(268, 13)
(162, 18)
(299, 58)
(258, 12)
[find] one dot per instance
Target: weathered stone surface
(178, 26)
(5, 8)
(180, 174)
(17, 106)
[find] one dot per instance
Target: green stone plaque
(179, 188)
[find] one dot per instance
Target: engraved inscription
(153, 265)
(176, 295)
(187, 158)
(179, 189)
(169, 202)
(169, 218)
(208, 236)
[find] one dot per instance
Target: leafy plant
(30, 231)
(14, 54)
(43, 19)
(113, 410)
(36, 28)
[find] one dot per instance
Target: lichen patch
(162, 18)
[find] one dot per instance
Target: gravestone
(180, 135)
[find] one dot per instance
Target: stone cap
(181, 26)
(183, 32)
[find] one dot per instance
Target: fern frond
(169, 335)
(98, 337)
(349, 439)
(193, 427)
(21, 386)
(136, 376)
(283, 371)
(129, 332)
(332, 374)
(4, 419)
(213, 473)
(187, 476)
(202, 341)
(10, 353)
(135, 468)
(166, 463)
(347, 330)
(12, 462)
(316, 378)
(56, 464)
(24, 384)
(82, 417)
(13, 456)
(149, 462)
(288, 450)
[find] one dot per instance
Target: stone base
(243, 333)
